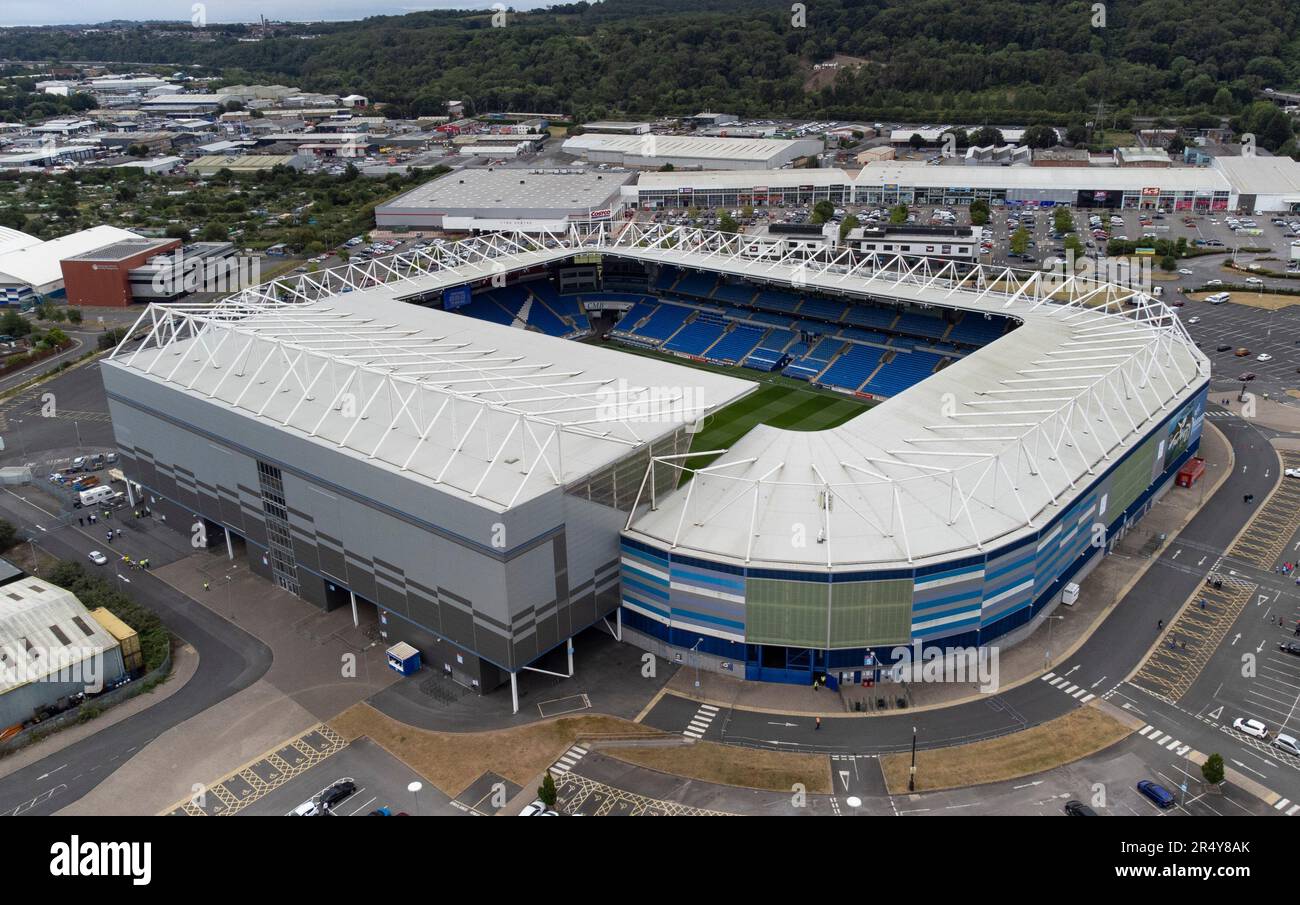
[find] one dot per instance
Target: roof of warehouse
(918, 174)
(603, 404)
(44, 628)
(38, 264)
(1261, 175)
(742, 179)
(121, 250)
(685, 146)
(513, 187)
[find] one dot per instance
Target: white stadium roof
(990, 447)
(489, 412)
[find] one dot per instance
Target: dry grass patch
(452, 760)
(1060, 741)
(753, 768)
(1269, 301)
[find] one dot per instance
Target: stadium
(779, 463)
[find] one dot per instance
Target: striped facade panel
(1008, 583)
(644, 580)
(707, 601)
(946, 603)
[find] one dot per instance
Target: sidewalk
(1053, 641)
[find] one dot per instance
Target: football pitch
(789, 408)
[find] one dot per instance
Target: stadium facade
(493, 492)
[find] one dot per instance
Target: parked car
(1242, 352)
(1251, 727)
(537, 808)
(1158, 794)
(1247, 376)
(1223, 347)
(1264, 357)
(1287, 743)
(1214, 282)
(337, 793)
(1290, 647)
(1076, 808)
(98, 558)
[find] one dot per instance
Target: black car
(1289, 647)
(1076, 808)
(1223, 347)
(337, 793)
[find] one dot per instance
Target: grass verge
(1060, 741)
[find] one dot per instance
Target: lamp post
(414, 788)
(911, 775)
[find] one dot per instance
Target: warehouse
(30, 271)
(460, 482)
(1264, 184)
(507, 199)
(689, 151)
(245, 163)
(915, 182)
(739, 188)
(51, 649)
(101, 278)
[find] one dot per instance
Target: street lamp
(911, 775)
(414, 788)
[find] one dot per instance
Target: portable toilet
(404, 659)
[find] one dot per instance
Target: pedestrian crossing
(1080, 694)
(1164, 740)
(701, 721)
(568, 760)
(1285, 805)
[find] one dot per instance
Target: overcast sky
(63, 12)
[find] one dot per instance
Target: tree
(986, 135)
(1212, 769)
(848, 224)
(14, 324)
(898, 214)
(979, 212)
(822, 211)
(1168, 263)
(1039, 137)
(916, 141)
(74, 316)
(8, 535)
(56, 338)
(1019, 241)
(1062, 220)
(727, 223)
(547, 791)
(1176, 145)
(215, 232)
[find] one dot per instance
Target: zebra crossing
(701, 721)
(1285, 806)
(568, 760)
(1165, 740)
(1080, 694)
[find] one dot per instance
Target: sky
(64, 12)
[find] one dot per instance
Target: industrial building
(245, 163)
(488, 492)
(31, 271)
(498, 198)
(739, 188)
(199, 267)
(51, 648)
(102, 278)
(689, 151)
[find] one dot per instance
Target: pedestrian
(206, 586)
(81, 520)
(109, 537)
(1160, 623)
(119, 532)
(818, 725)
(1202, 603)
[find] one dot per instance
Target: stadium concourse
(423, 434)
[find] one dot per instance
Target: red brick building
(101, 278)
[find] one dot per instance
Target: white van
(92, 496)
(1070, 595)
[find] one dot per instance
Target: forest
(970, 60)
